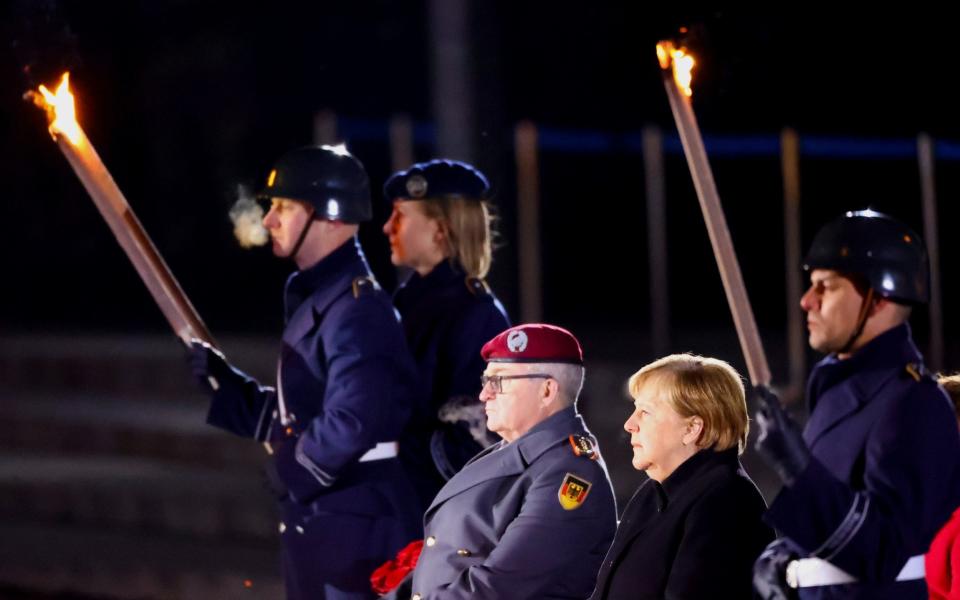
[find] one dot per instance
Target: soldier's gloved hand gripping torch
(209, 366)
(779, 442)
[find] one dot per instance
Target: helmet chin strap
(861, 321)
(303, 233)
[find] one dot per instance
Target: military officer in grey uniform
(533, 515)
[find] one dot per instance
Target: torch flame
(682, 64)
(62, 111)
(663, 55)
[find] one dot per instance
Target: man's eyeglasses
(496, 381)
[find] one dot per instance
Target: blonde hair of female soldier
(951, 384)
(468, 231)
(704, 387)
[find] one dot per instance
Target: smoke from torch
(247, 217)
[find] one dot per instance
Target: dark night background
(185, 100)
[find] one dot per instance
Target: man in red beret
(533, 515)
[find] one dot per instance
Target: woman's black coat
(696, 535)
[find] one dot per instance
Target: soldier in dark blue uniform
(533, 515)
(440, 230)
(876, 471)
(343, 392)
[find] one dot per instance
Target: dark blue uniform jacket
(346, 379)
(885, 472)
(447, 318)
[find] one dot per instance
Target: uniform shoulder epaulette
(583, 446)
(477, 286)
(363, 285)
(918, 371)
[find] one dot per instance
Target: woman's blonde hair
(703, 387)
(951, 383)
(468, 227)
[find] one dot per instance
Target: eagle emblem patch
(573, 491)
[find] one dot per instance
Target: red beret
(534, 342)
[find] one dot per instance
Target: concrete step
(133, 425)
(95, 562)
(113, 486)
(118, 363)
(136, 495)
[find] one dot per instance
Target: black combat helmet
(887, 253)
(328, 178)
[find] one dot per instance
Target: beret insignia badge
(517, 341)
(416, 186)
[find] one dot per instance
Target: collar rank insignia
(573, 491)
(364, 284)
(583, 446)
(916, 370)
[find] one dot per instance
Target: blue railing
(585, 141)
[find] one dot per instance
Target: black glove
(209, 366)
(770, 572)
(780, 442)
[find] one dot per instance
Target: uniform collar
(443, 274)
(891, 349)
(545, 434)
(506, 460)
(344, 263)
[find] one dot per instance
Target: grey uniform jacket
(529, 519)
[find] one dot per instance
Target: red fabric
(533, 342)
(943, 562)
(389, 575)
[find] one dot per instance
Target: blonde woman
(694, 528)
(440, 228)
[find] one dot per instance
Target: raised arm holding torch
(86, 163)
(676, 66)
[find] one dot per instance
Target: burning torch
(677, 67)
(86, 163)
